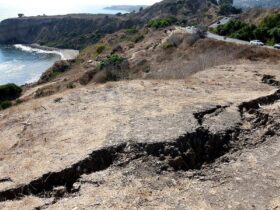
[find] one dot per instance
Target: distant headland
(127, 8)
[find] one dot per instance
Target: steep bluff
(70, 31)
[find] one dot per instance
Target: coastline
(36, 70)
(65, 54)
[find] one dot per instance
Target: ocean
(21, 64)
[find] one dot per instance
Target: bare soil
(207, 142)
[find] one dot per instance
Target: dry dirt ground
(207, 142)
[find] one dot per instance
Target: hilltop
(127, 8)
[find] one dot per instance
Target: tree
(226, 2)
(226, 7)
(214, 2)
(20, 15)
(141, 9)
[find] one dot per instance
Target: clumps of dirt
(270, 80)
(215, 110)
(262, 101)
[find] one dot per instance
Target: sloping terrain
(160, 54)
(192, 143)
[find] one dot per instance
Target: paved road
(220, 38)
(222, 21)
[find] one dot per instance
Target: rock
(59, 191)
(76, 187)
(87, 76)
(117, 49)
(178, 163)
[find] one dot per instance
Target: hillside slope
(256, 15)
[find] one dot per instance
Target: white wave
(37, 50)
(10, 67)
(34, 78)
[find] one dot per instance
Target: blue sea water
(21, 65)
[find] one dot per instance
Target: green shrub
(9, 92)
(133, 35)
(161, 22)
(61, 66)
(114, 68)
(267, 31)
(137, 38)
(18, 101)
(100, 49)
(111, 60)
(131, 31)
(5, 104)
(71, 85)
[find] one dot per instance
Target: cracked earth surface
(209, 142)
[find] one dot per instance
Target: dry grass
(256, 15)
(185, 60)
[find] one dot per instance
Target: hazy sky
(67, 3)
(10, 8)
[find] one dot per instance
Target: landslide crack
(96, 161)
(255, 104)
(190, 151)
(270, 80)
(214, 111)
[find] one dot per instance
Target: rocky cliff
(70, 31)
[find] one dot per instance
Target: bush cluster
(161, 22)
(131, 31)
(114, 67)
(100, 49)
(113, 59)
(8, 92)
(133, 35)
(267, 31)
